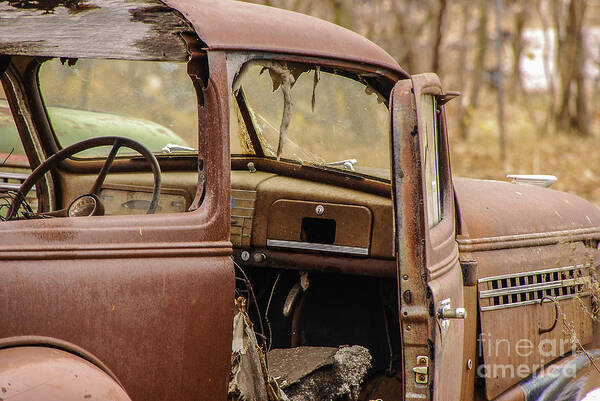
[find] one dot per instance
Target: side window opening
(11, 149)
(152, 102)
(430, 150)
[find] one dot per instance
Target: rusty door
(149, 297)
(429, 275)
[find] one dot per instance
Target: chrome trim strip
(520, 237)
(498, 292)
(14, 176)
(533, 272)
(13, 186)
(310, 246)
(233, 190)
(533, 301)
(526, 240)
(9, 185)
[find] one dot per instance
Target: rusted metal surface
(41, 373)
(321, 263)
(153, 321)
(148, 300)
(414, 317)
(518, 243)
(243, 26)
(151, 297)
(469, 357)
(441, 254)
(48, 342)
(429, 254)
(311, 173)
(511, 241)
(352, 223)
(281, 187)
(137, 30)
(511, 352)
(495, 219)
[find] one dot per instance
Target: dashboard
(276, 221)
(288, 222)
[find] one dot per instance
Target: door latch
(421, 370)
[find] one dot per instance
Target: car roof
(151, 30)
(236, 25)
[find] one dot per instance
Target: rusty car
(169, 165)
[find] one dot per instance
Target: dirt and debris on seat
(320, 373)
(249, 379)
(294, 374)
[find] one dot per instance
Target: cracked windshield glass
(301, 113)
(151, 102)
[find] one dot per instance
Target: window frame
(439, 234)
(382, 82)
(207, 222)
(433, 189)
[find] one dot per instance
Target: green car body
(71, 125)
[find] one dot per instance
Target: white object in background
(592, 396)
(541, 180)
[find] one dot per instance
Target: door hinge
(422, 370)
(469, 272)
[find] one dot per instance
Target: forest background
(528, 73)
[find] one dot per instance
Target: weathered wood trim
(133, 30)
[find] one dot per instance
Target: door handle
(445, 312)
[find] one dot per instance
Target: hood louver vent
(526, 288)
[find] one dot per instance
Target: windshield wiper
(348, 164)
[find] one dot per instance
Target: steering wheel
(116, 142)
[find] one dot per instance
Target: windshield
(151, 102)
(300, 113)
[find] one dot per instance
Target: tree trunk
(478, 68)
(435, 65)
(342, 14)
(571, 105)
(581, 121)
(520, 18)
(462, 60)
(548, 72)
(404, 35)
(499, 78)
